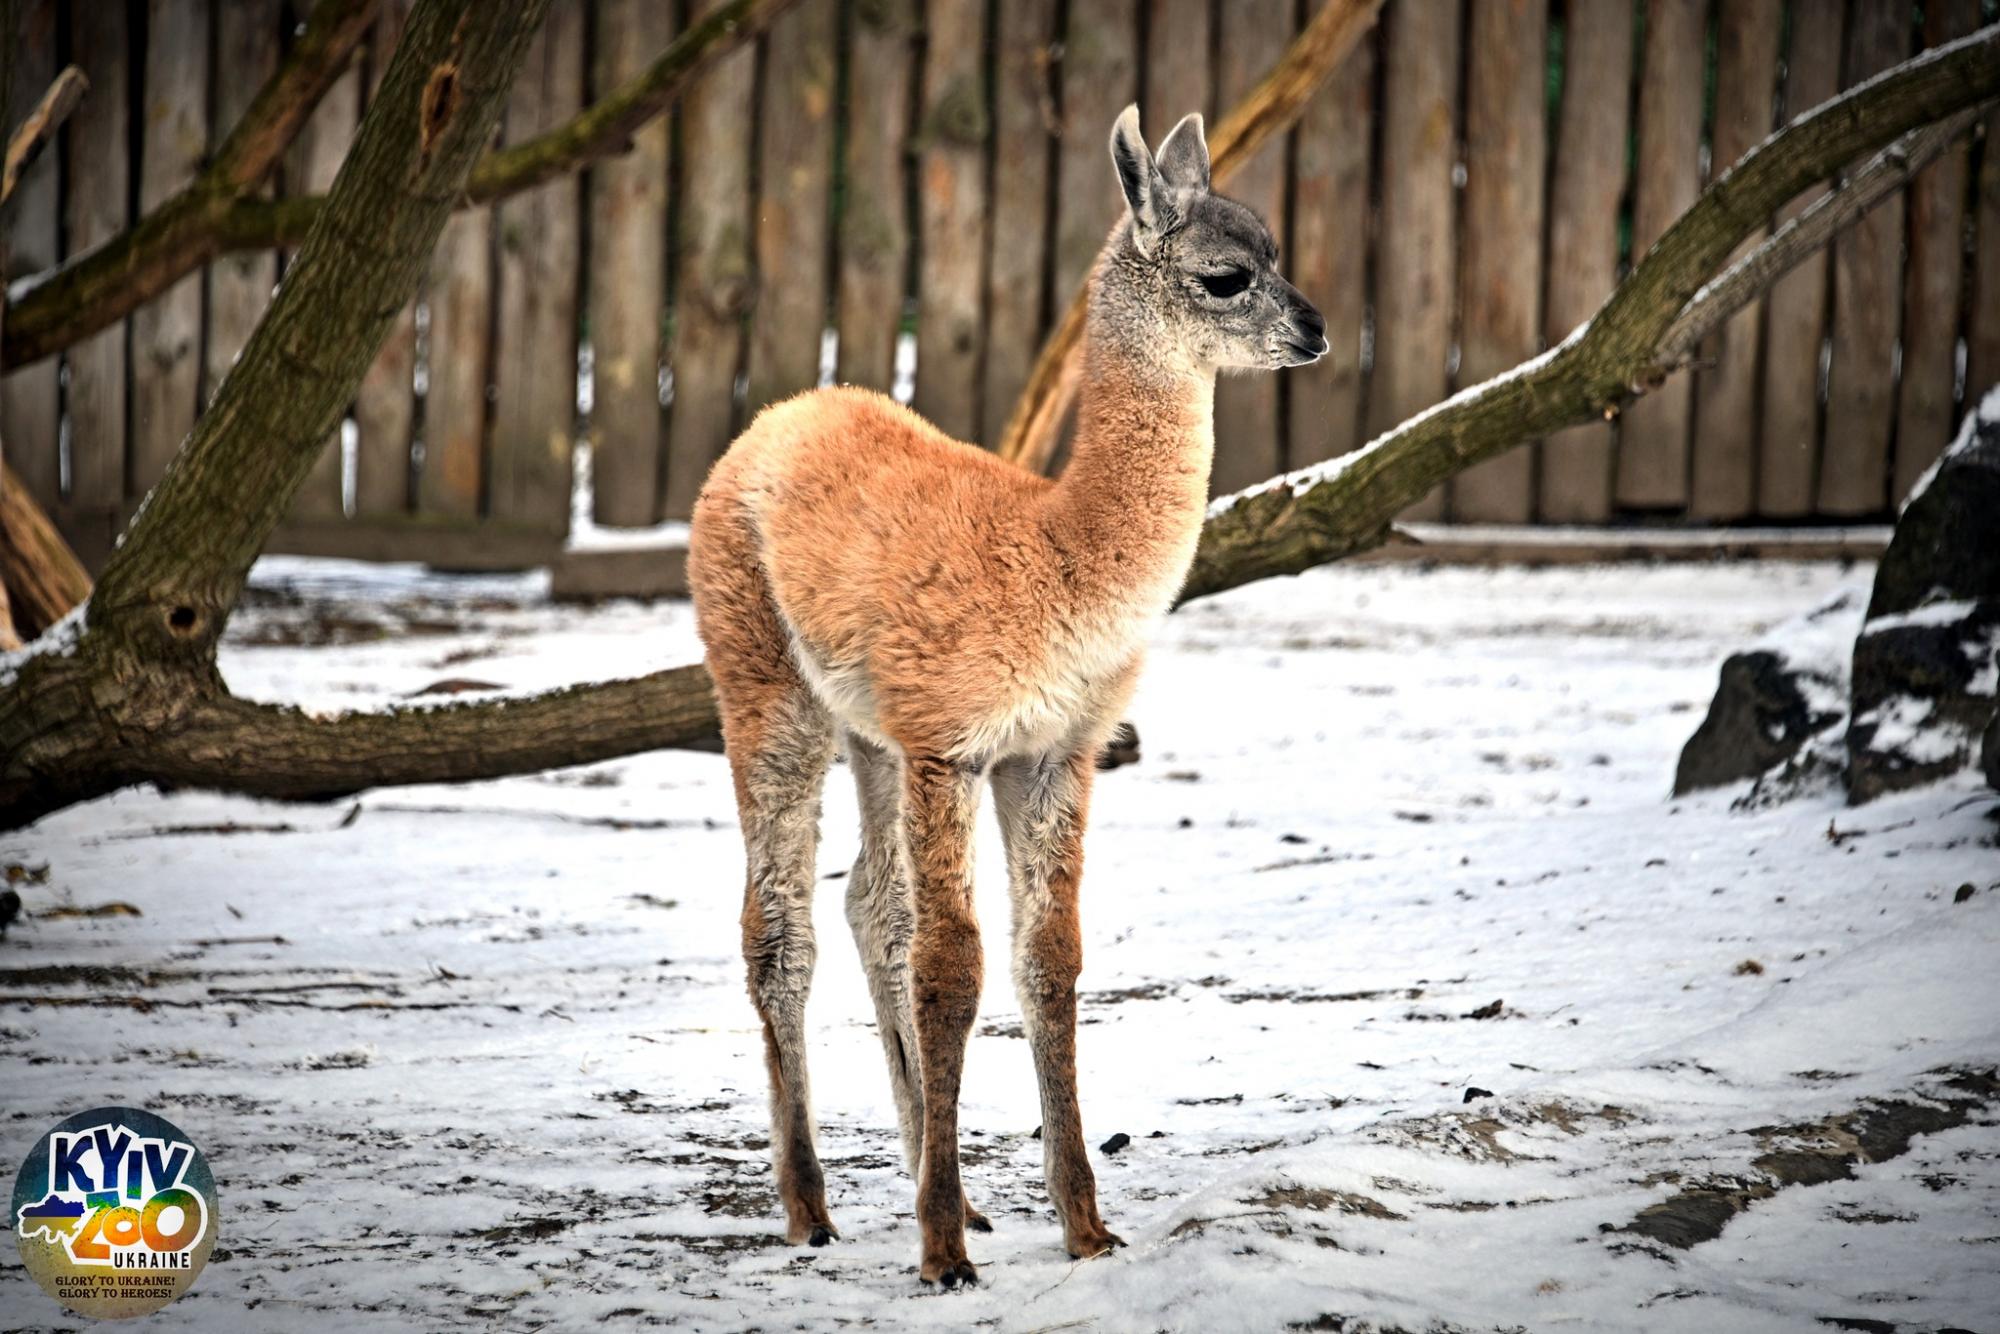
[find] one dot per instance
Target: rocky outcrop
(1774, 698)
(1924, 673)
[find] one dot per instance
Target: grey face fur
(1205, 266)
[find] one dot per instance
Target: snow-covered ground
(481, 1056)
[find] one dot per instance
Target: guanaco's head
(1205, 266)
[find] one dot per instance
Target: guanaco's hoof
(820, 1236)
(1097, 1243)
(954, 1273)
(977, 1221)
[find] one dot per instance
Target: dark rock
(1121, 749)
(1763, 714)
(1115, 1143)
(1476, 1092)
(1965, 892)
(1946, 545)
(1923, 693)
(1924, 673)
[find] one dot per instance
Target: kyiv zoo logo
(114, 1211)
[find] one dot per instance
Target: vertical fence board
(1867, 304)
(30, 396)
(1653, 436)
(239, 285)
(534, 348)
(874, 227)
(1329, 255)
(795, 164)
(311, 165)
(1500, 285)
(1925, 412)
(1982, 334)
(1100, 76)
(951, 209)
(1587, 182)
(1416, 257)
(460, 296)
(716, 280)
(1725, 436)
(97, 179)
(385, 405)
(628, 280)
(1024, 116)
(1248, 445)
(1176, 65)
(166, 331)
(1795, 309)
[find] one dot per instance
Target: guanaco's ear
(1140, 178)
(1183, 156)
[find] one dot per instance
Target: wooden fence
(901, 193)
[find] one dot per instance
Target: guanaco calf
(953, 619)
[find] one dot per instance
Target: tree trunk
(118, 694)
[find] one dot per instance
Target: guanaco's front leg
(939, 801)
(1043, 804)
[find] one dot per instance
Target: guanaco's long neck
(1130, 502)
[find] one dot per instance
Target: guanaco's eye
(1227, 283)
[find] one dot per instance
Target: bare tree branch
(1335, 509)
(1270, 109)
(1803, 235)
(32, 135)
(50, 311)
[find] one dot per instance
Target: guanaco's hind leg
(778, 798)
(939, 802)
(780, 742)
(883, 915)
(1043, 804)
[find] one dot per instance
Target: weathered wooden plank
(1500, 283)
(1795, 310)
(1016, 276)
(951, 212)
(1249, 441)
(1100, 76)
(1587, 182)
(874, 224)
(98, 179)
(385, 405)
(445, 544)
(239, 284)
(628, 280)
(1925, 411)
(166, 332)
(1653, 434)
(459, 296)
(1725, 436)
(310, 166)
(534, 352)
(1329, 255)
(30, 396)
(794, 183)
(715, 281)
(1982, 333)
(1416, 254)
(1178, 75)
(1867, 303)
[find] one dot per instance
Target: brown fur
(855, 569)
